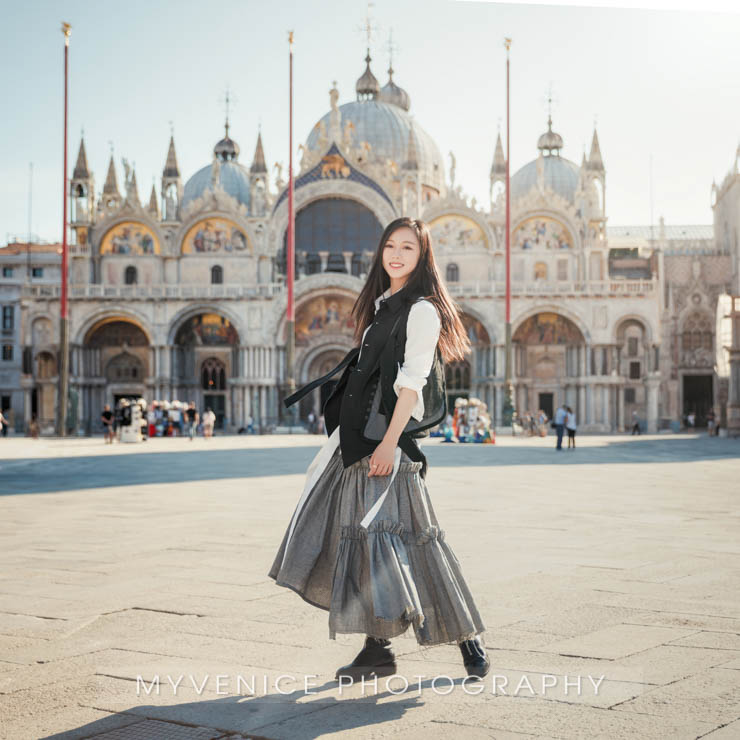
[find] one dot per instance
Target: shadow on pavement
(52, 475)
(266, 716)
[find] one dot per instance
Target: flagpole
(290, 256)
(63, 317)
(508, 405)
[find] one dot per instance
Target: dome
(386, 128)
(226, 149)
(393, 94)
(561, 176)
(550, 141)
(367, 85)
(232, 177)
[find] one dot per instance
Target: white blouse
(422, 334)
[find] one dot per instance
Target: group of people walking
(162, 419)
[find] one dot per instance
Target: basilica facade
(182, 295)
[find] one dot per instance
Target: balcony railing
(541, 288)
(267, 290)
(154, 292)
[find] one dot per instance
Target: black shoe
(475, 659)
(376, 659)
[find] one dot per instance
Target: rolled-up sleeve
(422, 334)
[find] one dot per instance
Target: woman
(570, 425)
(364, 542)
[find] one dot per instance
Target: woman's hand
(381, 461)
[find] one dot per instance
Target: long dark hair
(424, 282)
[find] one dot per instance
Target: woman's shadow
(299, 714)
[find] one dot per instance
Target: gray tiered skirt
(399, 572)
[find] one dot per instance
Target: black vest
(363, 400)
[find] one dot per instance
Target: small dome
(550, 141)
(226, 149)
(560, 174)
(393, 94)
(367, 85)
(232, 177)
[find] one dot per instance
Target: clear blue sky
(657, 82)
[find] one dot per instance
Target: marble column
(620, 408)
(498, 396)
(263, 405)
(652, 382)
(581, 414)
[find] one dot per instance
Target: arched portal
(205, 355)
(116, 359)
(549, 352)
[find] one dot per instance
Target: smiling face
(401, 254)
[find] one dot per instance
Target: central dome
(386, 128)
(380, 116)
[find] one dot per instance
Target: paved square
(612, 569)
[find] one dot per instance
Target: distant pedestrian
(710, 422)
(33, 427)
(559, 422)
(635, 424)
(192, 416)
(570, 425)
(3, 424)
(209, 419)
(691, 420)
(311, 423)
(107, 418)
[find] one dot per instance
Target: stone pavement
(615, 565)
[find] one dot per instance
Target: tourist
(33, 427)
(710, 422)
(559, 424)
(325, 555)
(192, 417)
(151, 418)
(635, 423)
(311, 423)
(570, 425)
(209, 419)
(107, 418)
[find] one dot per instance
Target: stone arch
(314, 191)
(105, 315)
(438, 208)
(195, 218)
(624, 320)
(304, 288)
(45, 365)
(179, 319)
(478, 316)
(551, 215)
(551, 308)
(334, 224)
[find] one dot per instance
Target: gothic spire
(170, 168)
(595, 162)
(81, 171)
(258, 163)
(499, 161)
(153, 203)
(111, 182)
